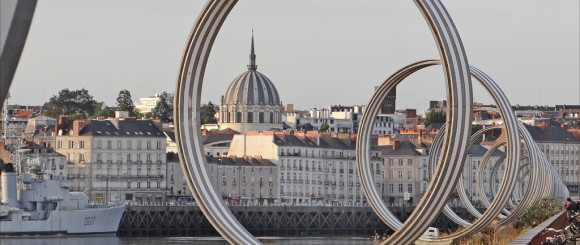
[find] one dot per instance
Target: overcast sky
(317, 53)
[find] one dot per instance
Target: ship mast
(12, 142)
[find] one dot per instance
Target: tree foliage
(163, 109)
(542, 211)
(124, 102)
(209, 116)
(324, 127)
(148, 115)
(434, 116)
(106, 113)
(75, 103)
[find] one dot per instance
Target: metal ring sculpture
(534, 189)
(459, 95)
(454, 168)
(505, 192)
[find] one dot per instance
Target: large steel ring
(508, 182)
(187, 121)
(459, 96)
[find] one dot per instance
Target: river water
(113, 240)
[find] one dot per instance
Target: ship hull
(86, 221)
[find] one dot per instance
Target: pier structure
(139, 221)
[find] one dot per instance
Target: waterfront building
(251, 102)
(239, 180)
(562, 148)
(405, 167)
(406, 159)
(120, 159)
(314, 167)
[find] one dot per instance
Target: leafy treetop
(75, 103)
(124, 102)
(164, 109)
(434, 116)
(209, 116)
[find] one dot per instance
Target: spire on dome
(252, 66)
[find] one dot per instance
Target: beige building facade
(115, 160)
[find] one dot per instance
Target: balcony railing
(129, 176)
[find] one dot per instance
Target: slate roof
(240, 161)
(127, 128)
(552, 134)
(171, 135)
(405, 148)
(325, 142)
(212, 138)
(230, 161)
(436, 126)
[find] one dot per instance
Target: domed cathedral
(251, 101)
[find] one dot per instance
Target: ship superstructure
(43, 204)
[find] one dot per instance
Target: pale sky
(316, 52)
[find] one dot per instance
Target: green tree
(106, 113)
(124, 102)
(324, 127)
(434, 116)
(148, 115)
(163, 109)
(209, 116)
(71, 102)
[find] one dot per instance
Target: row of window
(129, 157)
(252, 194)
(400, 161)
(252, 181)
(80, 144)
(243, 169)
(401, 188)
(400, 174)
(228, 117)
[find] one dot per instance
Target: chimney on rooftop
(78, 125)
(542, 126)
(396, 144)
(62, 120)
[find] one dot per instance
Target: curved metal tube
(187, 122)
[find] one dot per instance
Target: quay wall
(140, 221)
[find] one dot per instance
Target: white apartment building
(384, 125)
(340, 119)
(314, 167)
(562, 148)
(145, 105)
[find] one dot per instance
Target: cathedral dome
(251, 102)
(252, 87)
